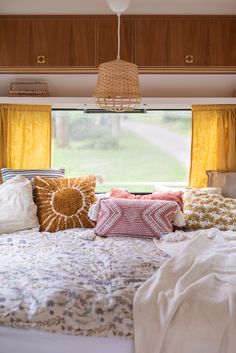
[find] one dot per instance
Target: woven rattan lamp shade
(118, 86)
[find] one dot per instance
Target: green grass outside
(135, 160)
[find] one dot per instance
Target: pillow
(64, 203)
(17, 209)
(137, 218)
(168, 196)
(224, 180)
(102, 195)
(7, 173)
(208, 190)
(162, 188)
(203, 211)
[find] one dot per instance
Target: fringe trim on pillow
(174, 237)
(179, 220)
(100, 179)
(94, 211)
(88, 234)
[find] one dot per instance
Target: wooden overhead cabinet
(188, 42)
(181, 44)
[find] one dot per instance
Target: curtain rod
(141, 111)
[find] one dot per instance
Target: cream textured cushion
(17, 209)
(203, 211)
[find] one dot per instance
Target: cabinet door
(185, 41)
(152, 42)
(222, 35)
(170, 41)
(188, 42)
(50, 42)
(14, 42)
(107, 39)
(83, 42)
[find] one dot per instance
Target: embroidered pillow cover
(168, 196)
(138, 218)
(64, 203)
(203, 211)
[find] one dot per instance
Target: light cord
(118, 36)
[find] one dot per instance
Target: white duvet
(189, 305)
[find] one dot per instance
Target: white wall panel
(222, 7)
(171, 85)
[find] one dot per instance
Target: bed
(66, 290)
(28, 341)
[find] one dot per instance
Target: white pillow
(158, 188)
(17, 208)
(208, 190)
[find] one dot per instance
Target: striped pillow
(8, 174)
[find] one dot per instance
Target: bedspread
(60, 282)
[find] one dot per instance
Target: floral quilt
(70, 283)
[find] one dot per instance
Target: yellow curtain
(25, 136)
(213, 141)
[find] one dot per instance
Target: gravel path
(175, 145)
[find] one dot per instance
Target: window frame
(91, 111)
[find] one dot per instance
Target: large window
(131, 150)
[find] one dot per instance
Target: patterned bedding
(65, 282)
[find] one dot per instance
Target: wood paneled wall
(154, 43)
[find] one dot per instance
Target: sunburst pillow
(64, 203)
(203, 211)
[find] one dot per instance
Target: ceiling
(223, 7)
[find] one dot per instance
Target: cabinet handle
(189, 59)
(41, 59)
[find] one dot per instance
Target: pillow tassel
(179, 220)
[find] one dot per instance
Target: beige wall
(162, 85)
(222, 7)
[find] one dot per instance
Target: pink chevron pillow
(137, 218)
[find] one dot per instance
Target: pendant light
(118, 86)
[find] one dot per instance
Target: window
(130, 150)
